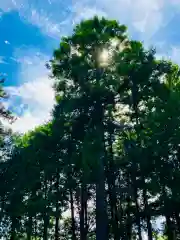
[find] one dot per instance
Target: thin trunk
(148, 216)
(101, 204)
(13, 229)
(45, 230)
(101, 201)
(73, 223)
(129, 220)
(138, 219)
(56, 234)
(57, 228)
(170, 229)
(45, 215)
(112, 191)
(29, 229)
(86, 214)
(177, 221)
(82, 213)
(101, 217)
(35, 228)
(134, 91)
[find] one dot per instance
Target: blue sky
(31, 29)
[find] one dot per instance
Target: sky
(31, 29)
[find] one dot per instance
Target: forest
(107, 164)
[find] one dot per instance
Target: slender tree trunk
(101, 204)
(82, 213)
(57, 228)
(73, 223)
(147, 214)
(45, 215)
(129, 220)
(177, 221)
(56, 234)
(101, 217)
(13, 229)
(112, 191)
(29, 229)
(86, 213)
(35, 227)
(138, 219)
(101, 201)
(170, 229)
(45, 231)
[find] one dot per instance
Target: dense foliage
(107, 165)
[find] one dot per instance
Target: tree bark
(56, 235)
(57, 228)
(101, 204)
(138, 219)
(82, 213)
(177, 221)
(112, 192)
(45, 230)
(148, 216)
(29, 230)
(170, 229)
(13, 229)
(73, 223)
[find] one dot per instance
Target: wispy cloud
(33, 98)
(143, 18)
(38, 14)
(37, 100)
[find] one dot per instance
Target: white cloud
(145, 17)
(33, 98)
(37, 100)
(38, 14)
(44, 22)
(7, 42)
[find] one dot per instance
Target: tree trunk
(101, 201)
(101, 204)
(45, 230)
(56, 234)
(35, 228)
(129, 220)
(73, 223)
(86, 214)
(138, 219)
(82, 213)
(112, 192)
(57, 228)
(177, 221)
(170, 229)
(45, 214)
(13, 229)
(147, 214)
(29, 229)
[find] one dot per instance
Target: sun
(104, 58)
